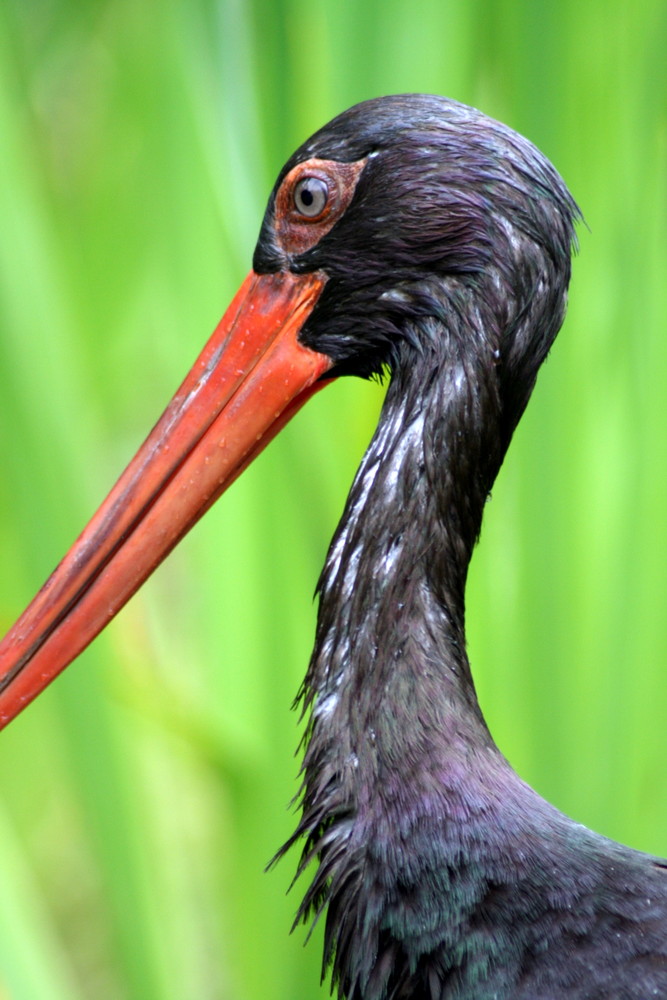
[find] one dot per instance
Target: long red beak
(252, 376)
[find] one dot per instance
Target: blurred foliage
(142, 795)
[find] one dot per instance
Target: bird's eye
(311, 195)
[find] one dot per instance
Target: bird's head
(417, 207)
(408, 228)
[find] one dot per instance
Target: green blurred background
(142, 795)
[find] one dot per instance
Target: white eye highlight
(311, 195)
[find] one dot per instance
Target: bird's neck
(394, 719)
(408, 806)
(390, 658)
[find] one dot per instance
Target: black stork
(415, 236)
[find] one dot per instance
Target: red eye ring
(301, 222)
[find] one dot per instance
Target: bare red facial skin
(296, 233)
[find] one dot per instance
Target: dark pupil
(307, 196)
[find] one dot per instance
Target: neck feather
(392, 590)
(395, 729)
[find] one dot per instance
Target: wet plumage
(442, 873)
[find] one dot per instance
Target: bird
(417, 239)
